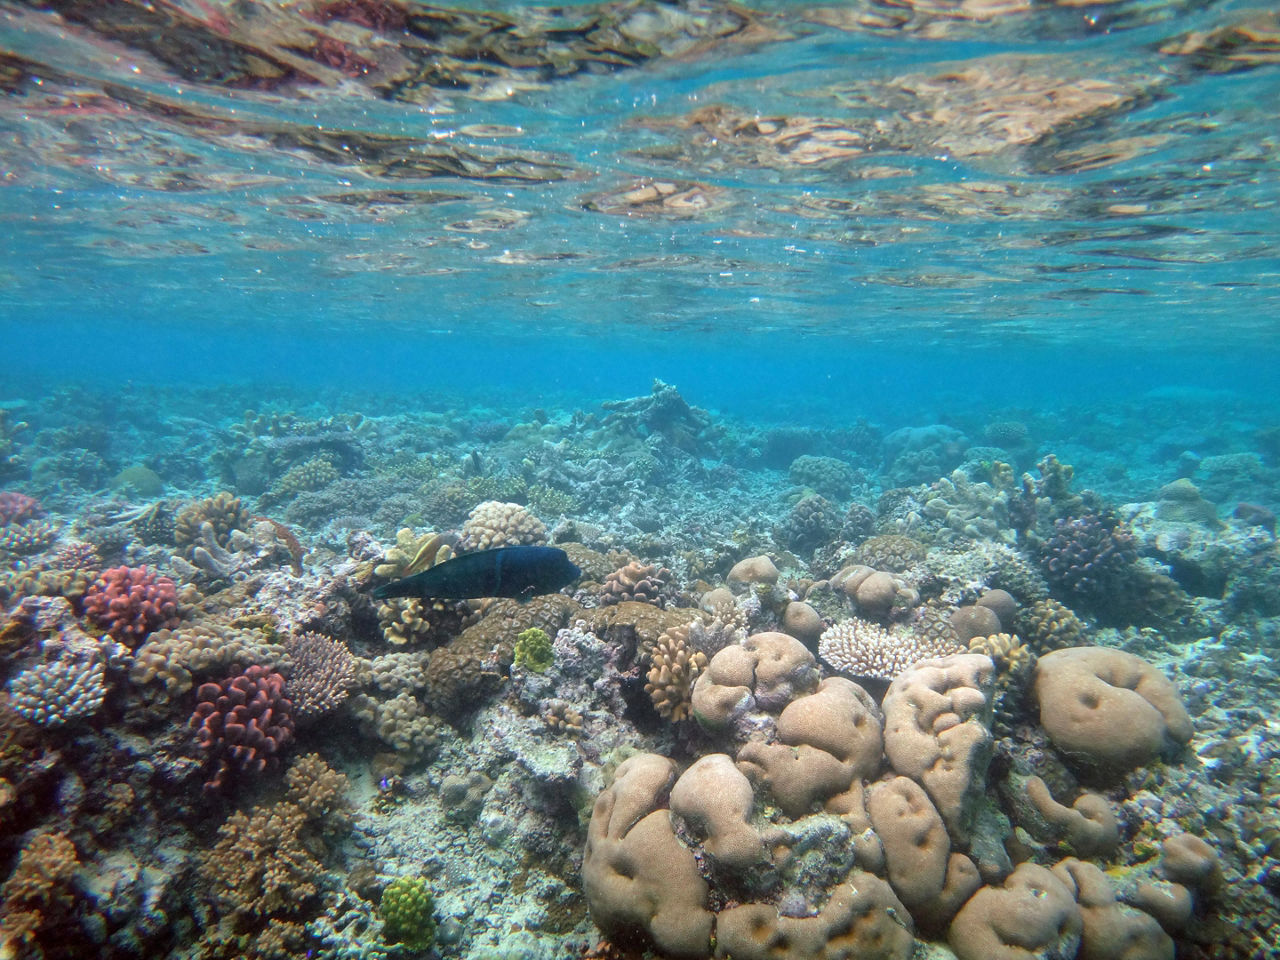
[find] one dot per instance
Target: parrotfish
(518, 572)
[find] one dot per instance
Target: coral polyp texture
(496, 524)
(242, 723)
(132, 602)
(53, 694)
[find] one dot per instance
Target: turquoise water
(449, 255)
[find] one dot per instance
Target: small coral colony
(810, 694)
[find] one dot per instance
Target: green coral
(533, 650)
(407, 913)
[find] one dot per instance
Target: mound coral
(242, 722)
(813, 521)
(497, 524)
(1108, 710)
(131, 602)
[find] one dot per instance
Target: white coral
(50, 694)
(861, 649)
(497, 524)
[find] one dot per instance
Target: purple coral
(1090, 556)
(131, 602)
(242, 722)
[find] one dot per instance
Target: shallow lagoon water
(688, 284)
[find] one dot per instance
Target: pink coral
(131, 602)
(18, 507)
(242, 722)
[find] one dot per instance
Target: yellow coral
(675, 667)
(1011, 656)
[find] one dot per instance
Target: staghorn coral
(862, 649)
(497, 524)
(641, 582)
(242, 722)
(51, 694)
(224, 512)
(675, 668)
(1049, 625)
(261, 867)
(132, 602)
(322, 674)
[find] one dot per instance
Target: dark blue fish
(519, 572)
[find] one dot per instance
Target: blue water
(881, 214)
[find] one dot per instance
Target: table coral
(132, 602)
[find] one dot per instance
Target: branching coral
(861, 649)
(675, 668)
(131, 602)
(224, 511)
(242, 722)
(51, 694)
(642, 582)
(37, 894)
(322, 674)
(497, 524)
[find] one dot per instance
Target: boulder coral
(1033, 915)
(1107, 710)
(938, 732)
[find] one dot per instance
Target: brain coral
(131, 602)
(497, 524)
(892, 552)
